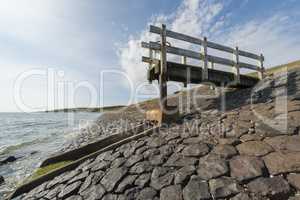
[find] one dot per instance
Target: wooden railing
(164, 48)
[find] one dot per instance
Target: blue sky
(83, 38)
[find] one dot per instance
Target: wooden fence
(164, 48)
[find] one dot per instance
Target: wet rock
(138, 144)
(294, 180)
(141, 150)
(157, 160)
(147, 193)
(224, 187)
(254, 148)
(277, 162)
(1, 180)
(172, 136)
(86, 183)
(280, 143)
(275, 187)
(142, 180)
(246, 167)
(131, 193)
(38, 189)
(94, 192)
(196, 150)
(110, 197)
(225, 151)
(150, 153)
(178, 160)
(166, 150)
(102, 165)
(295, 198)
(141, 167)
(133, 159)
(54, 191)
(160, 182)
(84, 164)
(196, 189)
(192, 140)
(212, 166)
(79, 177)
(33, 152)
(97, 177)
(126, 183)
(251, 137)
(231, 141)
(183, 174)
(128, 152)
(173, 192)
(113, 176)
(9, 159)
(157, 142)
(267, 131)
(74, 197)
(118, 162)
(69, 190)
(241, 196)
(161, 177)
(68, 176)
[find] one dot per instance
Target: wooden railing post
(261, 65)
(205, 60)
(150, 65)
(236, 67)
(212, 65)
(163, 69)
(188, 71)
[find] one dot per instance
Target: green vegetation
(95, 109)
(44, 170)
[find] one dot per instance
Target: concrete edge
(92, 147)
(34, 183)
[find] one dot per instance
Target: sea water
(32, 137)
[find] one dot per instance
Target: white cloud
(42, 34)
(275, 36)
(193, 17)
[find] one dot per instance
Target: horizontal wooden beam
(197, 55)
(194, 40)
(180, 73)
(178, 36)
(249, 55)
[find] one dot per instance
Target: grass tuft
(44, 170)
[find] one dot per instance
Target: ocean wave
(6, 150)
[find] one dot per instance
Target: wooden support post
(150, 65)
(261, 65)
(205, 60)
(163, 69)
(236, 67)
(212, 65)
(188, 72)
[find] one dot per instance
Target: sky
(74, 53)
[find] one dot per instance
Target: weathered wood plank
(219, 47)
(249, 55)
(175, 35)
(236, 68)
(178, 72)
(219, 60)
(199, 56)
(194, 40)
(248, 66)
(163, 69)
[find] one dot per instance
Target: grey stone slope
(250, 150)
